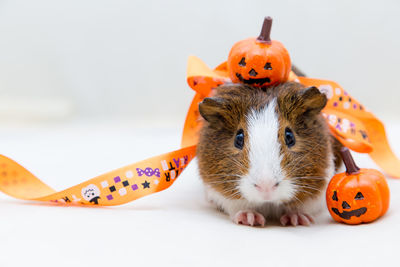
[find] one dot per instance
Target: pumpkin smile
(348, 214)
(253, 81)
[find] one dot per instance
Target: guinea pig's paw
(250, 218)
(295, 219)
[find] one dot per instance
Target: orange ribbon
(349, 121)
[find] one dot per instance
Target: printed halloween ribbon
(113, 188)
(348, 120)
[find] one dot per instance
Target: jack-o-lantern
(260, 61)
(358, 195)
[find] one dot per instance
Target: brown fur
(298, 108)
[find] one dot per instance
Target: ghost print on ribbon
(91, 193)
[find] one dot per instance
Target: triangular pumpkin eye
(242, 62)
(359, 196)
(268, 66)
(334, 197)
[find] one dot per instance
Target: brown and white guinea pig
(266, 155)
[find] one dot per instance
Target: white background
(128, 58)
(89, 86)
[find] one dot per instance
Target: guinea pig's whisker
(297, 162)
(294, 170)
(307, 187)
(234, 195)
(304, 180)
(236, 161)
(304, 191)
(221, 175)
(310, 188)
(309, 177)
(313, 144)
(300, 165)
(230, 191)
(297, 199)
(302, 185)
(223, 182)
(238, 164)
(298, 182)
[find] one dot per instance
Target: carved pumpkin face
(358, 197)
(259, 64)
(260, 61)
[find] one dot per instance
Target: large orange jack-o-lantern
(259, 61)
(358, 195)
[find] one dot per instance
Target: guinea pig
(266, 155)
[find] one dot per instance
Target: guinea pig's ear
(212, 109)
(312, 100)
(301, 104)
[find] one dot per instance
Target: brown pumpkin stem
(265, 31)
(351, 167)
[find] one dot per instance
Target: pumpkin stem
(265, 31)
(351, 167)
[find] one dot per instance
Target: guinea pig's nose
(266, 187)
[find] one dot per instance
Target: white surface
(172, 228)
(110, 58)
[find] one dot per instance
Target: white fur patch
(265, 159)
(230, 206)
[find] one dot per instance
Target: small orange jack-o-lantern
(259, 61)
(358, 195)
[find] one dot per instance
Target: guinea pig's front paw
(296, 219)
(250, 218)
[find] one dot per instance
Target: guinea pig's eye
(289, 138)
(239, 139)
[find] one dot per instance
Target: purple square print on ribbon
(117, 179)
(134, 187)
(110, 197)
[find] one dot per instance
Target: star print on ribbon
(148, 172)
(146, 185)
